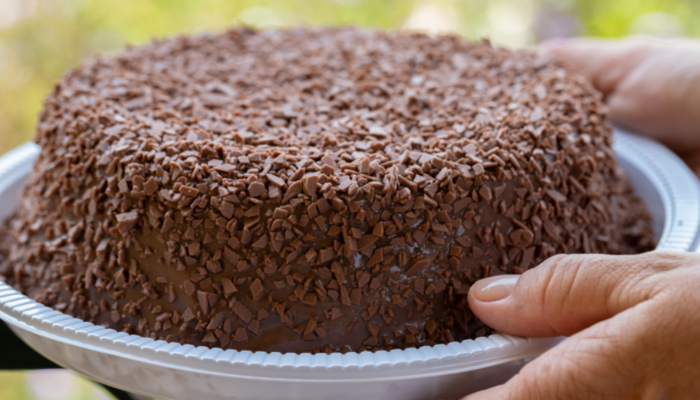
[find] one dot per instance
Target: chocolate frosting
(311, 190)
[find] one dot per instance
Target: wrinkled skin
(633, 321)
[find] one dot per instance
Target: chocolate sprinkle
(311, 179)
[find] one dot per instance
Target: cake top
(351, 184)
(361, 108)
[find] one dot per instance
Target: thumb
(566, 294)
(604, 62)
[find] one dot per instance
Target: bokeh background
(41, 39)
(49, 385)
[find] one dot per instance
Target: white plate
(173, 371)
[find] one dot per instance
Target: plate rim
(648, 156)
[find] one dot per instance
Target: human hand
(651, 86)
(633, 322)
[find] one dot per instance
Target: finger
(566, 294)
(592, 364)
(605, 63)
(659, 97)
(652, 87)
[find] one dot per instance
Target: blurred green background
(41, 39)
(48, 385)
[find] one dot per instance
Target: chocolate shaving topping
(126, 221)
(266, 190)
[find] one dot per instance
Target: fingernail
(555, 41)
(551, 47)
(494, 288)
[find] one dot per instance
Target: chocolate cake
(311, 190)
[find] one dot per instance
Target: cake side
(311, 190)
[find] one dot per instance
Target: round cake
(311, 190)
